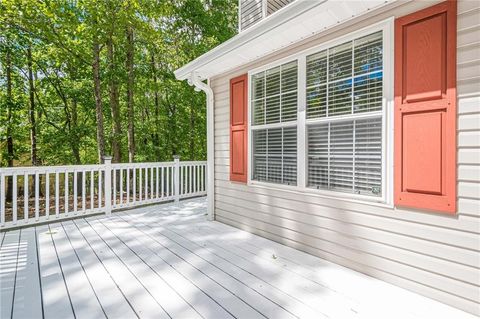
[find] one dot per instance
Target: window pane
(368, 92)
(258, 85)
(260, 155)
(340, 61)
(317, 101)
(273, 109)
(272, 80)
(275, 155)
(289, 106)
(340, 97)
(258, 112)
(289, 77)
(318, 156)
(341, 155)
(290, 155)
(317, 68)
(368, 157)
(346, 156)
(368, 53)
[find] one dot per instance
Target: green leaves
(169, 117)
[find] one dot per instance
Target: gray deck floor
(167, 261)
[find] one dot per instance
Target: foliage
(169, 117)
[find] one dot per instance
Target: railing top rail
(7, 171)
(48, 169)
(193, 163)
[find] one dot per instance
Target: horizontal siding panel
(469, 105)
(469, 139)
(401, 281)
(434, 227)
(467, 189)
(331, 224)
(469, 122)
(468, 18)
(469, 173)
(468, 156)
(469, 206)
(461, 289)
(468, 35)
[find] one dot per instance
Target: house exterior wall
(436, 255)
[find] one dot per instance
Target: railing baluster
(47, 195)
(37, 196)
(152, 190)
(191, 178)
(14, 198)
(92, 190)
(114, 193)
(100, 188)
(2, 199)
(140, 180)
(66, 193)
(84, 196)
(25, 197)
(146, 183)
(195, 178)
(121, 186)
(168, 181)
(156, 181)
(161, 182)
(57, 194)
(128, 185)
(75, 204)
(134, 185)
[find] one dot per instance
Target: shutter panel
(425, 109)
(238, 129)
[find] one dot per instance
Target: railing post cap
(107, 158)
(176, 157)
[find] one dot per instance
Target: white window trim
(386, 27)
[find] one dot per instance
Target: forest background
(80, 79)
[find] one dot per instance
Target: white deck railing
(43, 193)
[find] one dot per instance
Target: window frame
(386, 26)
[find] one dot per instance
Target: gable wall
(432, 254)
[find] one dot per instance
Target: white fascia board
(296, 22)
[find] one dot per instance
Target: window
(318, 122)
(344, 93)
(274, 136)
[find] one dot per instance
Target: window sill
(331, 195)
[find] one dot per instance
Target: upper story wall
(253, 11)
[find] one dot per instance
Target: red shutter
(425, 108)
(238, 129)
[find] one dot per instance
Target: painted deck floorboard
(167, 261)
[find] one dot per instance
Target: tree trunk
(10, 154)
(114, 104)
(156, 133)
(98, 100)
(130, 100)
(33, 125)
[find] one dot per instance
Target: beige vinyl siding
(432, 254)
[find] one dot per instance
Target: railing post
(108, 184)
(176, 178)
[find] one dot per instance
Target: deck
(167, 261)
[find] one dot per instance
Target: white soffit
(295, 22)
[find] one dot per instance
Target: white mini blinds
(346, 79)
(275, 94)
(274, 130)
(344, 102)
(341, 118)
